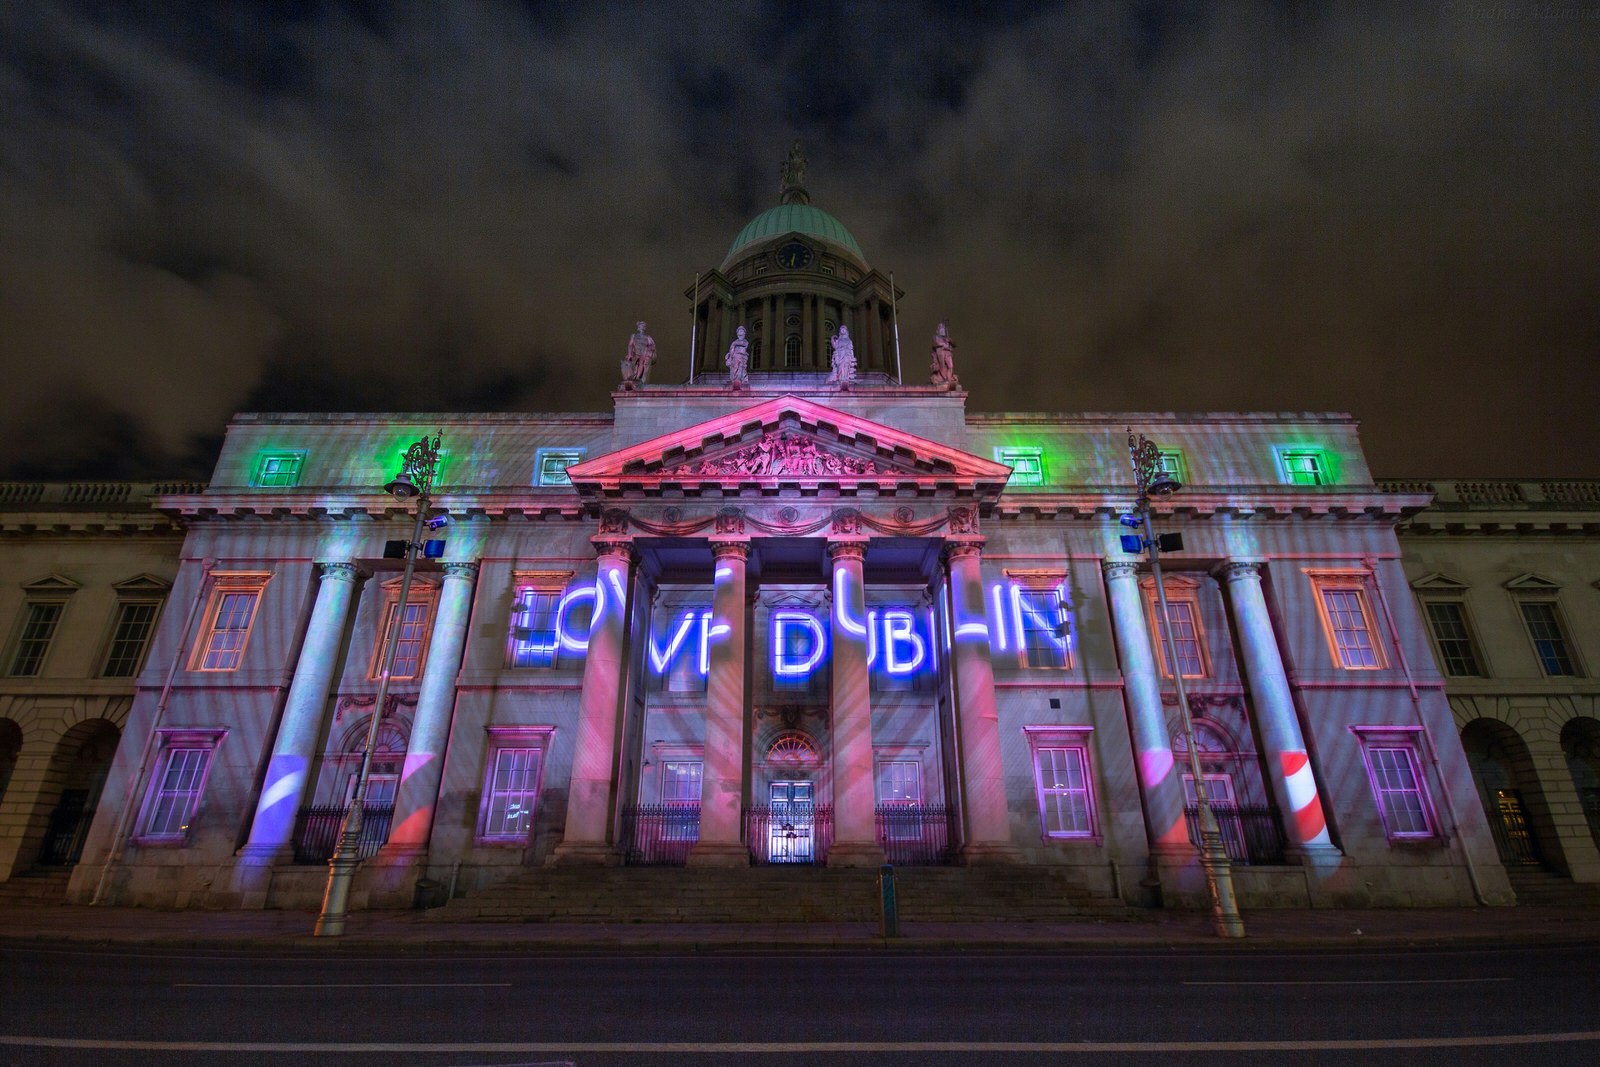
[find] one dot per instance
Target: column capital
(844, 550)
(607, 548)
(461, 569)
(969, 549)
(1239, 570)
(730, 550)
(1119, 568)
(337, 571)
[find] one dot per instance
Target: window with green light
(550, 465)
(1170, 461)
(277, 469)
(1306, 466)
(1027, 464)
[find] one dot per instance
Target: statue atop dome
(792, 185)
(844, 358)
(641, 354)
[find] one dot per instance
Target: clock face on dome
(793, 256)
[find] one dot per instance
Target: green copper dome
(792, 218)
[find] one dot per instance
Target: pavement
(415, 931)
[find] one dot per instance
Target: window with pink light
(1394, 761)
(176, 788)
(1063, 782)
(513, 771)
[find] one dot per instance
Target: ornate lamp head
(417, 469)
(1146, 458)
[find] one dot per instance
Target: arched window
(791, 352)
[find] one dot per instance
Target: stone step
(1537, 888)
(35, 887)
(779, 894)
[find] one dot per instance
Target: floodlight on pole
(1153, 481)
(415, 480)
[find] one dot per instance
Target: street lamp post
(418, 468)
(1153, 481)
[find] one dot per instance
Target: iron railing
(913, 835)
(659, 835)
(316, 831)
(1251, 835)
(789, 833)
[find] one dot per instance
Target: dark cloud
(210, 207)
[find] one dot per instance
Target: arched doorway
(1509, 790)
(792, 826)
(1251, 830)
(319, 825)
(1580, 744)
(81, 762)
(10, 749)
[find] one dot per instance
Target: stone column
(599, 710)
(771, 333)
(284, 787)
(722, 784)
(808, 327)
(1288, 765)
(855, 834)
(1160, 784)
(436, 702)
(982, 768)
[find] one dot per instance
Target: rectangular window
(1549, 637)
(178, 784)
(1027, 464)
(1188, 638)
(130, 637)
(229, 617)
(412, 639)
(274, 470)
(680, 781)
(1447, 619)
(1394, 766)
(900, 782)
(39, 622)
(1347, 620)
(513, 768)
(513, 792)
(1061, 772)
(534, 641)
(1305, 466)
(1170, 461)
(550, 465)
(1043, 627)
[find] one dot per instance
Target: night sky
(1386, 209)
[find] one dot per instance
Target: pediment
(789, 441)
(1438, 582)
(142, 584)
(51, 583)
(1531, 582)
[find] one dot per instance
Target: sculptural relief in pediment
(780, 455)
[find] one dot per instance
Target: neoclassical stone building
(807, 617)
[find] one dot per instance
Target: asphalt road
(79, 1005)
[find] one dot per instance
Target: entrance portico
(797, 573)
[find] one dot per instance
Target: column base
(990, 854)
(586, 854)
(855, 854)
(719, 854)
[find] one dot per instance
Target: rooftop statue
(844, 358)
(738, 361)
(944, 358)
(641, 354)
(792, 178)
